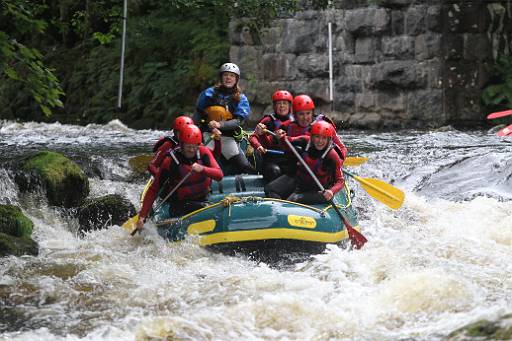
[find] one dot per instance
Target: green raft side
(239, 216)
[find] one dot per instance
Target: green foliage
(174, 48)
(500, 93)
(22, 64)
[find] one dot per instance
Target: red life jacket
(317, 165)
(168, 138)
(273, 122)
(294, 129)
(197, 186)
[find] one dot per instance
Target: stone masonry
(396, 63)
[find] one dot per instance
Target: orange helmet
(282, 95)
(323, 128)
(181, 122)
(191, 134)
(303, 103)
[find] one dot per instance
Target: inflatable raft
(241, 218)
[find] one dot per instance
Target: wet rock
(64, 182)
(15, 246)
(13, 222)
(500, 329)
(15, 233)
(98, 213)
(444, 129)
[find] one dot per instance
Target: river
(436, 264)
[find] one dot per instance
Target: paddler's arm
(152, 192)
(229, 125)
(199, 117)
(334, 163)
(211, 169)
(217, 147)
(243, 109)
(155, 163)
(339, 144)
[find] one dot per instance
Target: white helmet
(230, 67)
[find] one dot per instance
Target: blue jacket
(240, 110)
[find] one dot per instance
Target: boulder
(15, 232)
(98, 213)
(500, 329)
(64, 182)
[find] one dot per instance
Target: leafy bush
(500, 93)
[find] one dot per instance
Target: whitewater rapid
(440, 262)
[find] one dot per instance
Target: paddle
(140, 163)
(349, 161)
(507, 131)
(275, 152)
(499, 114)
(380, 190)
(356, 238)
(130, 224)
(352, 161)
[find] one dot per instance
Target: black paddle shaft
(167, 196)
(356, 238)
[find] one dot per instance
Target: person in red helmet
(304, 116)
(319, 154)
(189, 156)
(166, 143)
(273, 164)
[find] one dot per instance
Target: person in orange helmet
(189, 157)
(267, 145)
(319, 154)
(167, 142)
(304, 116)
(171, 141)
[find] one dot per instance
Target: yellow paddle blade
(140, 163)
(382, 191)
(143, 194)
(131, 223)
(352, 161)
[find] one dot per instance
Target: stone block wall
(397, 63)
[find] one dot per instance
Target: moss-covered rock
(98, 213)
(15, 232)
(14, 223)
(500, 329)
(65, 183)
(17, 246)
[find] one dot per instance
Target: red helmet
(323, 128)
(303, 103)
(181, 122)
(282, 95)
(191, 134)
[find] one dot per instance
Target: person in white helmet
(221, 109)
